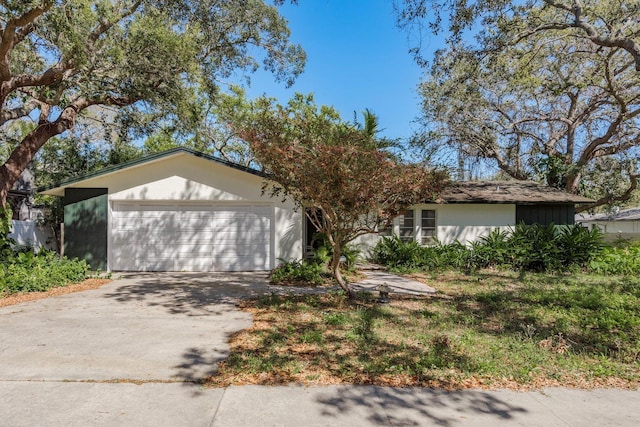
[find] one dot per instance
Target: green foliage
(299, 272)
(5, 227)
(618, 260)
(526, 248)
(334, 170)
(150, 61)
(29, 272)
(488, 99)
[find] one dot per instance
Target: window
(407, 226)
(428, 227)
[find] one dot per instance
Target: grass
(492, 329)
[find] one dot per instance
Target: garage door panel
(175, 237)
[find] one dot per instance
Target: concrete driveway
(76, 355)
(132, 352)
(146, 327)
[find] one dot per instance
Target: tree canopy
(58, 58)
(610, 24)
(540, 93)
(333, 170)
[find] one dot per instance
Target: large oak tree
(547, 90)
(58, 58)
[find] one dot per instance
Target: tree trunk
(335, 270)
(24, 153)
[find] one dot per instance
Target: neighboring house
(186, 211)
(624, 224)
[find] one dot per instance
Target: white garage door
(190, 237)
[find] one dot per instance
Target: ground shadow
(417, 406)
(191, 294)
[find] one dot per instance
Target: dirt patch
(21, 297)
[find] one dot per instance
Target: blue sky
(356, 59)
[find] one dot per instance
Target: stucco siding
(463, 222)
(468, 222)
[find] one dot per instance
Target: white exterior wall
(614, 227)
(468, 222)
(464, 222)
(629, 230)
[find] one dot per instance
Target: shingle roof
(521, 192)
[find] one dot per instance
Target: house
(623, 224)
(468, 210)
(186, 211)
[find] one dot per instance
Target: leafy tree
(548, 106)
(608, 24)
(59, 58)
(209, 130)
(333, 171)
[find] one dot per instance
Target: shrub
(617, 260)
(491, 250)
(28, 272)
(302, 272)
(396, 253)
(527, 247)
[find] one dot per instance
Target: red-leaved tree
(334, 171)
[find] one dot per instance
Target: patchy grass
(493, 329)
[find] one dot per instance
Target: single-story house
(623, 224)
(186, 211)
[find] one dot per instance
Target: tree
(209, 130)
(58, 58)
(607, 24)
(333, 171)
(550, 107)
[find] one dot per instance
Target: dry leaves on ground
(21, 297)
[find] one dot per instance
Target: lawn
(490, 329)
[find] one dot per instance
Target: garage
(190, 237)
(178, 210)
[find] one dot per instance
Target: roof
(521, 192)
(632, 214)
(57, 188)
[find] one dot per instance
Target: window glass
(407, 225)
(428, 227)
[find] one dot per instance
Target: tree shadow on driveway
(191, 294)
(196, 314)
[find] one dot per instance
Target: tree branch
(18, 112)
(611, 198)
(10, 38)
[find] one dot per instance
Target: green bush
(526, 247)
(28, 272)
(395, 253)
(303, 272)
(617, 260)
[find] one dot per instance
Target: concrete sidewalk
(182, 404)
(398, 284)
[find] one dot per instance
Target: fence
(29, 233)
